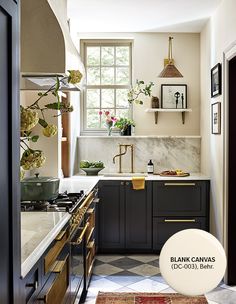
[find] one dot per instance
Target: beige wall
(149, 50)
(218, 34)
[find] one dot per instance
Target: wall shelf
(157, 110)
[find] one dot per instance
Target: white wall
(149, 51)
(218, 34)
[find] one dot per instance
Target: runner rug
(147, 298)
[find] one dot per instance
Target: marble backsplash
(167, 153)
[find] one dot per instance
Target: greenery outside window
(108, 70)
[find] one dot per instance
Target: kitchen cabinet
(178, 205)
(125, 217)
(10, 291)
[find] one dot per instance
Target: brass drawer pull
(60, 265)
(80, 238)
(60, 235)
(180, 221)
(179, 184)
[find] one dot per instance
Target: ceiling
(140, 16)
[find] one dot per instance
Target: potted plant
(124, 125)
(91, 168)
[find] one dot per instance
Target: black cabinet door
(111, 216)
(177, 198)
(138, 211)
(9, 154)
(164, 228)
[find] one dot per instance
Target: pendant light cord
(170, 59)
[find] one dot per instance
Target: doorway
(230, 162)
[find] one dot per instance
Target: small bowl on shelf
(91, 171)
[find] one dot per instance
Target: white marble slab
(38, 230)
(167, 152)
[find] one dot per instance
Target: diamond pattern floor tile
(140, 273)
(144, 258)
(148, 285)
(106, 269)
(145, 270)
(126, 263)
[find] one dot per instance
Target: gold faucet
(123, 153)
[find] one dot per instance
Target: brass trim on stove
(179, 220)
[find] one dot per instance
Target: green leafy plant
(30, 117)
(93, 164)
(123, 123)
(139, 89)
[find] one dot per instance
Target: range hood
(47, 49)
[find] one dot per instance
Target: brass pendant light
(170, 71)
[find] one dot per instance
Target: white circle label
(192, 262)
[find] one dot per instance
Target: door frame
(228, 54)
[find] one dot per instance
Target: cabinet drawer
(165, 227)
(54, 290)
(53, 253)
(189, 198)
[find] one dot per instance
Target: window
(108, 70)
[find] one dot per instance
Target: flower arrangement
(30, 117)
(123, 124)
(139, 89)
(109, 120)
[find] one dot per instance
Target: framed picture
(174, 96)
(216, 118)
(216, 80)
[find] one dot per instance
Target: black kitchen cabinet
(10, 291)
(179, 205)
(111, 216)
(125, 217)
(138, 215)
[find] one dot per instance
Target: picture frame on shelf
(174, 96)
(216, 118)
(216, 80)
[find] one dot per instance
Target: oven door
(77, 262)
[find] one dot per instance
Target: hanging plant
(33, 115)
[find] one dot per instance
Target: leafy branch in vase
(139, 89)
(30, 117)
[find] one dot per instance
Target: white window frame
(84, 43)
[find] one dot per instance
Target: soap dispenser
(150, 167)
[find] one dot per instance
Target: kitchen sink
(115, 174)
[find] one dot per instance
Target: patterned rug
(147, 298)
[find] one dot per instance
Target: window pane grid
(114, 76)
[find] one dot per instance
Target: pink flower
(107, 113)
(114, 118)
(100, 112)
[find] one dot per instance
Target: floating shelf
(156, 110)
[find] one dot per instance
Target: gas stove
(66, 202)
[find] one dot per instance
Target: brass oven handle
(179, 184)
(180, 221)
(80, 238)
(89, 197)
(60, 235)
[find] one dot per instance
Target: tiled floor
(140, 273)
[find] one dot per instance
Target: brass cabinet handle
(179, 184)
(80, 238)
(60, 235)
(60, 265)
(180, 221)
(122, 183)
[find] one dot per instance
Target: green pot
(91, 171)
(39, 188)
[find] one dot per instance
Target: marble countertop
(153, 177)
(38, 230)
(82, 180)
